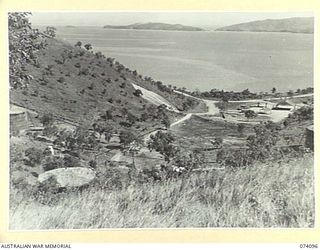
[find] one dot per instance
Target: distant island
(294, 25)
(154, 26)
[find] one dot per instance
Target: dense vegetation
(24, 42)
(243, 95)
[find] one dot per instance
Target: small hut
(284, 105)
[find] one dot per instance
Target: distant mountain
(295, 25)
(154, 26)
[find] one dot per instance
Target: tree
(47, 120)
(79, 139)
(166, 121)
(273, 90)
(290, 93)
(107, 115)
(262, 143)
(126, 137)
(246, 92)
(88, 46)
(138, 93)
(24, 42)
(50, 31)
(222, 106)
(162, 143)
(131, 142)
(61, 79)
(102, 128)
(78, 44)
(250, 114)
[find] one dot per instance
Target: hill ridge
(293, 25)
(154, 26)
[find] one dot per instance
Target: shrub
(126, 137)
(70, 161)
(35, 93)
(162, 143)
(234, 157)
(47, 119)
(93, 164)
(77, 65)
(50, 130)
(78, 44)
(107, 115)
(88, 46)
(302, 114)
(259, 147)
(79, 139)
(84, 71)
(49, 69)
(52, 162)
(91, 87)
(138, 93)
(99, 55)
(33, 156)
(249, 114)
(61, 79)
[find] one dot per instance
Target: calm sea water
(207, 60)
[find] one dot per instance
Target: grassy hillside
(154, 26)
(295, 25)
(75, 84)
(249, 197)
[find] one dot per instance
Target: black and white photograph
(161, 119)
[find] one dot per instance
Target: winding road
(158, 100)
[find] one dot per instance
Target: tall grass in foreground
(264, 195)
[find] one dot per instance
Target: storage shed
(309, 143)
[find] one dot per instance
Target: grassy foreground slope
(248, 197)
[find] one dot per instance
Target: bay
(208, 59)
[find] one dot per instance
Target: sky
(200, 19)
